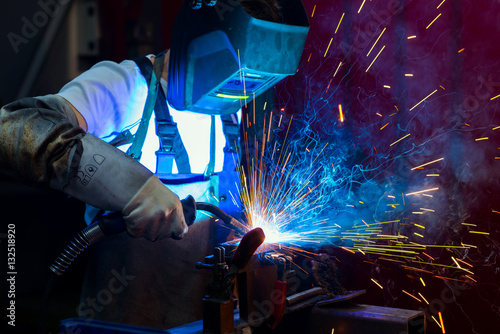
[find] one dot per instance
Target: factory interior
(373, 173)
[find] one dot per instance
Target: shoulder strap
(135, 150)
(171, 146)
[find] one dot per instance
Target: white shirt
(111, 98)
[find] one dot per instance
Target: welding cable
(105, 224)
(113, 223)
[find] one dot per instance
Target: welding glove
(40, 142)
(109, 179)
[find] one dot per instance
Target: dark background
(445, 126)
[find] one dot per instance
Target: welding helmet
(221, 57)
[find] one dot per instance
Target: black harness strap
(171, 146)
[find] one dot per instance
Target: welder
(222, 54)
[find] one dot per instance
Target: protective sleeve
(41, 144)
(110, 96)
(38, 136)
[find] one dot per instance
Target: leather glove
(109, 179)
(155, 212)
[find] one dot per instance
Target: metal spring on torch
(85, 238)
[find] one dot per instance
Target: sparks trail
(327, 185)
(300, 192)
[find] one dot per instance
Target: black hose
(113, 223)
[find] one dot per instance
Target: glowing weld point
(411, 37)
(483, 138)
(441, 321)
(408, 75)
(494, 97)
(433, 21)
(387, 86)
(341, 113)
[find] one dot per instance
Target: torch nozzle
(227, 219)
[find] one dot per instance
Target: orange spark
(470, 278)
(441, 321)
(409, 294)
(341, 113)
(428, 256)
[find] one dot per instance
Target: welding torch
(106, 224)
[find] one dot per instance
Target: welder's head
(225, 55)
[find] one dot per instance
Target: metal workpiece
(220, 287)
(219, 304)
(347, 318)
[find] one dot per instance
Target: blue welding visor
(221, 57)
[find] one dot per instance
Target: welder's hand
(155, 213)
